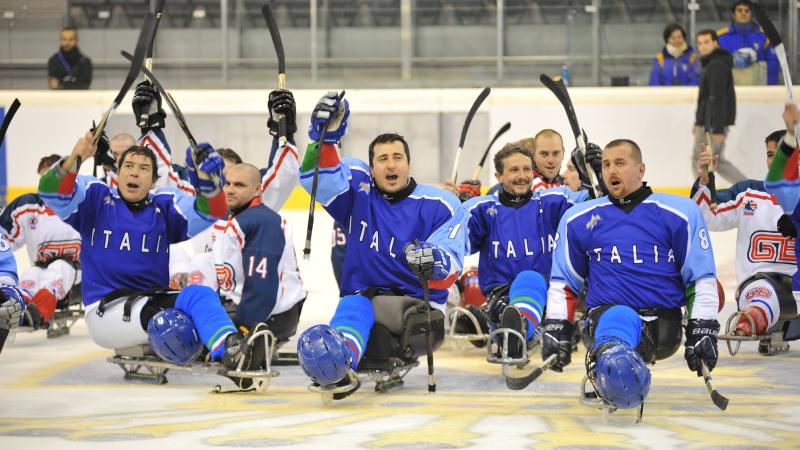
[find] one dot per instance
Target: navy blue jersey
(658, 255)
(515, 239)
(255, 264)
(378, 231)
(121, 248)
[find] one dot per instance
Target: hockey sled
(68, 311)
(477, 338)
(141, 364)
(396, 342)
(771, 343)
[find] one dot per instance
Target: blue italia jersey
(658, 255)
(8, 265)
(511, 240)
(121, 248)
(378, 231)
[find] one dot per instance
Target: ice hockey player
(547, 148)
(253, 262)
(387, 211)
(53, 250)
(135, 227)
(783, 182)
(643, 256)
(515, 232)
(12, 305)
(765, 257)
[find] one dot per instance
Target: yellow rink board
(65, 395)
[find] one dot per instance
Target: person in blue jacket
(677, 64)
(747, 42)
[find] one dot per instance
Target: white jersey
(760, 247)
(28, 221)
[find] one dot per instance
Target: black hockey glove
(557, 340)
(146, 106)
(281, 101)
(786, 226)
(103, 155)
(701, 344)
(593, 159)
(12, 306)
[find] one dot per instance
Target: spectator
(69, 68)
(747, 42)
(677, 64)
(716, 103)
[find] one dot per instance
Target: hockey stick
(7, 119)
(315, 183)
(472, 110)
(198, 155)
(719, 400)
(560, 91)
(518, 384)
(148, 59)
(275, 33)
(712, 183)
(780, 51)
(499, 133)
(137, 60)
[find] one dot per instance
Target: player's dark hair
(669, 29)
(70, 29)
(775, 137)
(709, 32)
(387, 138)
(143, 151)
(636, 152)
(228, 153)
(748, 3)
(508, 150)
(47, 162)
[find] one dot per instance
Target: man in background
(69, 68)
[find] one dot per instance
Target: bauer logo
(760, 292)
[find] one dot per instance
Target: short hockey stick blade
(518, 384)
(720, 401)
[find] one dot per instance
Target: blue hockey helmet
(172, 335)
(621, 376)
(323, 354)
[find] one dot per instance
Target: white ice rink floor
(62, 394)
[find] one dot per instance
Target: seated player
(764, 256)
(53, 249)
(396, 228)
(134, 227)
(252, 262)
(783, 182)
(647, 252)
(515, 232)
(11, 303)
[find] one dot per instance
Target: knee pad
(620, 376)
(618, 323)
(173, 336)
(323, 354)
(670, 335)
(413, 341)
